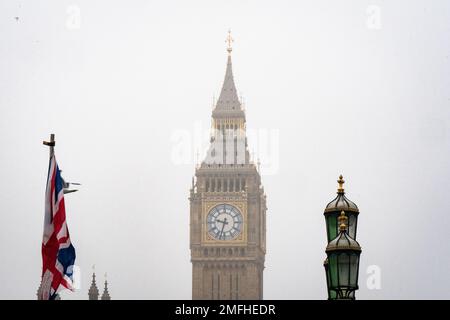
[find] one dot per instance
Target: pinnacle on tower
(105, 295)
(39, 291)
(228, 100)
(93, 290)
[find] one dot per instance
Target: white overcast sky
(353, 87)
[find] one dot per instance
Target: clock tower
(227, 208)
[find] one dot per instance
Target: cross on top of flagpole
(51, 144)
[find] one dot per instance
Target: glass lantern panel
(333, 270)
(352, 225)
(330, 292)
(344, 269)
(332, 227)
(354, 259)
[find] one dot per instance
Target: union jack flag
(58, 253)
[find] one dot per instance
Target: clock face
(224, 222)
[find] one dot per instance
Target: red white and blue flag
(58, 254)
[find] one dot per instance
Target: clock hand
(221, 232)
(224, 222)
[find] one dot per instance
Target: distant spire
(228, 99)
(93, 290)
(105, 295)
(39, 292)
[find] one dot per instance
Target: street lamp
(342, 263)
(333, 210)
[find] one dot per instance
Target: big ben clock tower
(227, 208)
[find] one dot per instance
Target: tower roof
(105, 295)
(228, 99)
(228, 140)
(93, 290)
(228, 103)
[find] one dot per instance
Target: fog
(359, 88)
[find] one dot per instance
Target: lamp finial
(341, 182)
(342, 222)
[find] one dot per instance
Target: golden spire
(229, 40)
(341, 182)
(342, 222)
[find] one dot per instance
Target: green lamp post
(342, 263)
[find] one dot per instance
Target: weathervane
(229, 41)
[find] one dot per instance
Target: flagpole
(51, 144)
(54, 278)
